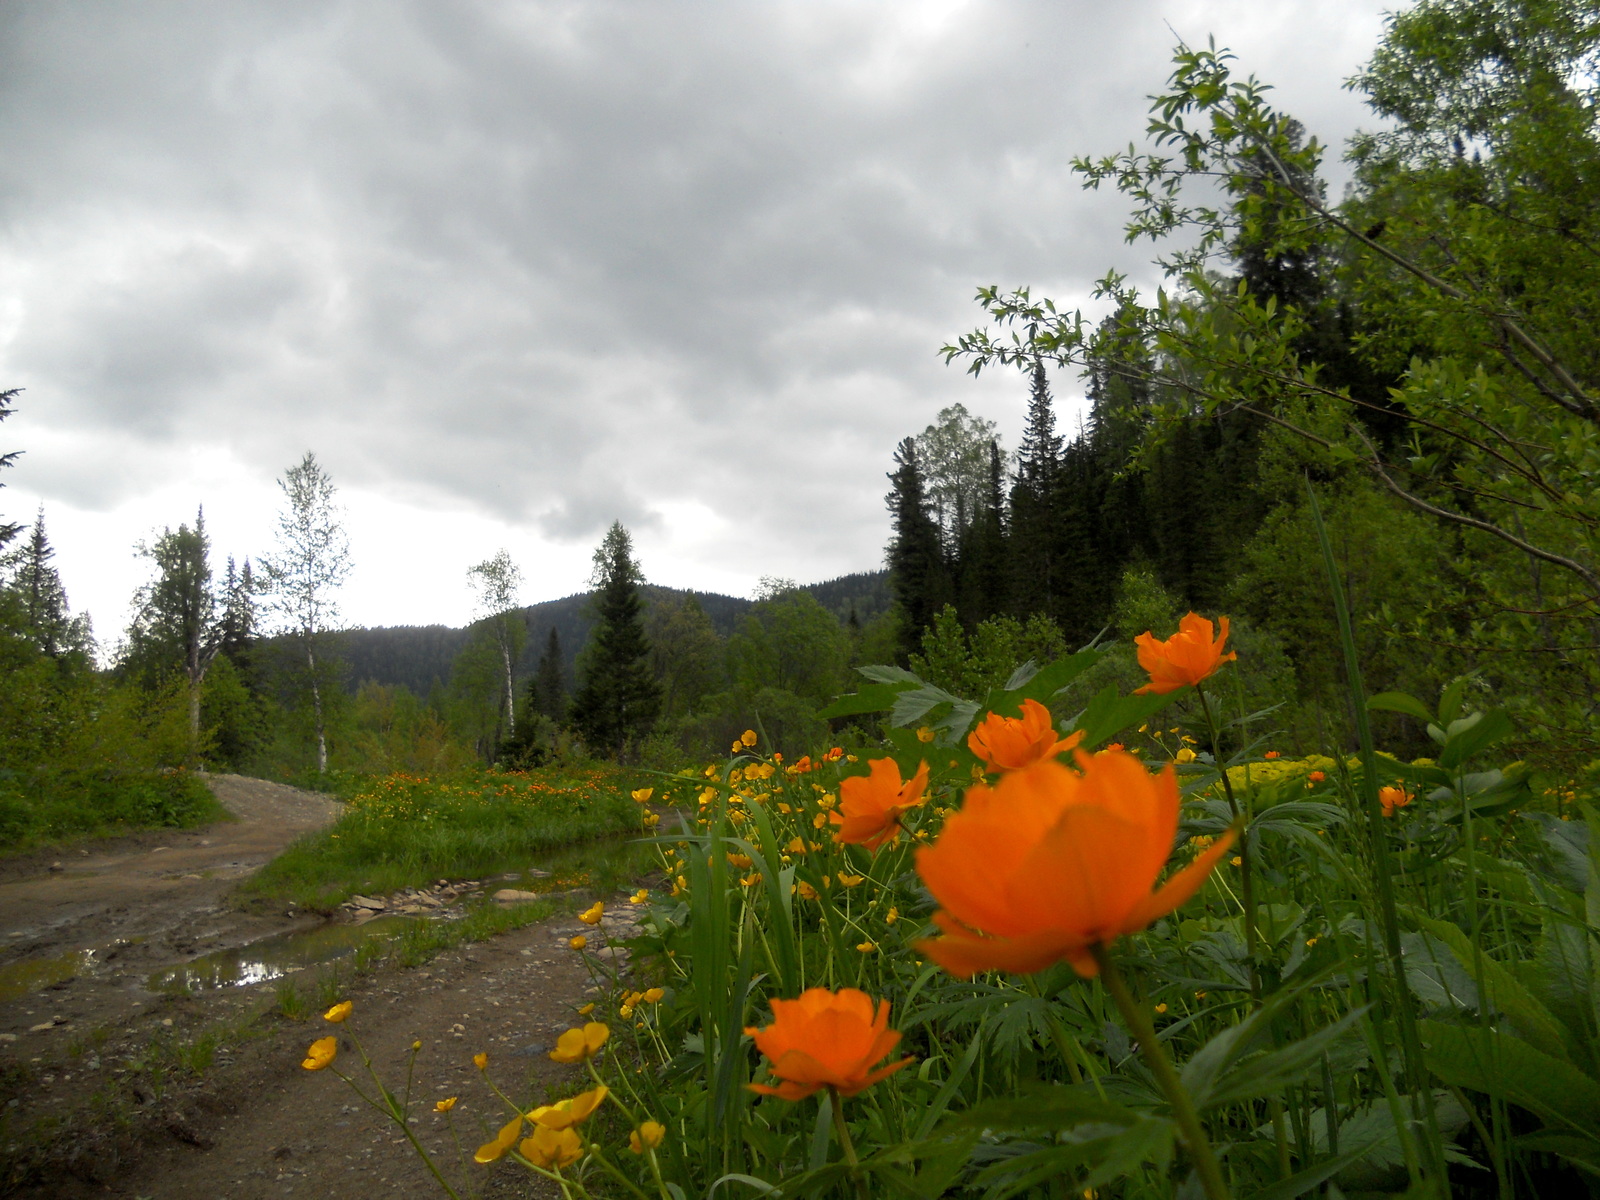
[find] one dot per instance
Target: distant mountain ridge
(420, 656)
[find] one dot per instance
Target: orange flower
(1049, 863)
(1392, 798)
(1316, 776)
(1011, 743)
(826, 1039)
(870, 806)
(1185, 658)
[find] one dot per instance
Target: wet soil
(107, 1084)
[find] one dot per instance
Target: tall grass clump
(403, 830)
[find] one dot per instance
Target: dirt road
(165, 1094)
(158, 894)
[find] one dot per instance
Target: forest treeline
(1416, 360)
(246, 666)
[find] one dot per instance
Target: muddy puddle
(274, 957)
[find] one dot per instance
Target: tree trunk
(316, 709)
(511, 695)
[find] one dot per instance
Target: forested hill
(420, 656)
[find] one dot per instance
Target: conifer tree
(1034, 532)
(547, 690)
(618, 699)
(8, 529)
(918, 576)
(177, 625)
(41, 601)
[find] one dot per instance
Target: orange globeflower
(1049, 863)
(1392, 798)
(1185, 658)
(826, 1039)
(1011, 743)
(870, 806)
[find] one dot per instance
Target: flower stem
(1247, 890)
(845, 1144)
(1155, 1057)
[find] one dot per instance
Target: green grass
(408, 831)
(44, 807)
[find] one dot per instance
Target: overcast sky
(516, 270)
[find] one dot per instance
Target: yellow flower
(1161, 1008)
(566, 1113)
(575, 1045)
(807, 892)
(481, 1061)
(652, 996)
(321, 1053)
(850, 880)
(338, 1012)
(891, 916)
(444, 1105)
(741, 861)
(640, 896)
(549, 1148)
(642, 795)
(867, 947)
(626, 1011)
(507, 1137)
(592, 914)
(1184, 755)
(578, 943)
(417, 1045)
(648, 1136)
(748, 737)
(651, 820)
(1237, 860)
(924, 734)
(586, 1009)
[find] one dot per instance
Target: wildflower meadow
(1003, 951)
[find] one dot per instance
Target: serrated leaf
(1510, 1069)
(879, 697)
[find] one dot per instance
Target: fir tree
(618, 699)
(918, 578)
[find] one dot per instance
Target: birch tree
(304, 574)
(498, 580)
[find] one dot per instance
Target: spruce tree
(177, 625)
(918, 575)
(547, 690)
(1035, 571)
(618, 699)
(41, 601)
(8, 529)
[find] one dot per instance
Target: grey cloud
(561, 262)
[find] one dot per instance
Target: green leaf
(1504, 992)
(1401, 703)
(1276, 1070)
(1472, 735)
(1108, 714)
(880, 697)
(1576, 1148)
(1510, 1069)
(1302, 1182)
